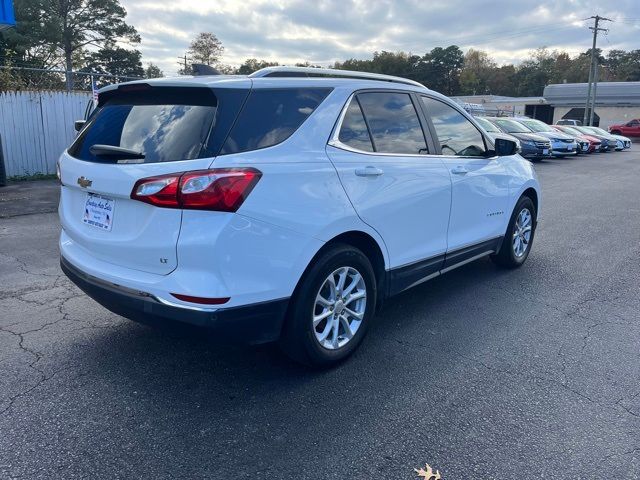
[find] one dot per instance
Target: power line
(503, 34)
(593, 75)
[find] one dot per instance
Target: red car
(594, 143)
(629, 129)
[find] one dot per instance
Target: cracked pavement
(482, 373)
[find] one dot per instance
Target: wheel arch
(365, 243)
(368, 245)
(533, 195)
(530, 189)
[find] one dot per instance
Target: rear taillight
(221, 189)
(160, 191)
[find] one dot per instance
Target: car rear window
(270, 116)
(164, 124)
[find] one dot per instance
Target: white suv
(286, 205)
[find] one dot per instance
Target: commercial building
(616, 102)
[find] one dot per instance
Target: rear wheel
(331, 309)
(518, 239)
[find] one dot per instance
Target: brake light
(160, 191)
(221, 189)
(134, 87)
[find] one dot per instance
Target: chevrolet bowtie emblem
(84, 182)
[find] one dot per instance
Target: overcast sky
(322, 31)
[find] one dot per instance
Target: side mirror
(78, 124)
(505, 147)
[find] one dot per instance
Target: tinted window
(270, 116)
(163, 124)
(393, 122)
(456, 134)
(354, 131)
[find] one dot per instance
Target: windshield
(570, 130)
(487, 125)
(511, 126)
(597, 130)
(537, 126)
(583, 130)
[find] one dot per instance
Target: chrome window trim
(335, 142)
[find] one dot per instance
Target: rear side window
(456, 134)
(270, 116)
(354, 131)
(393, 122)
(161, 124)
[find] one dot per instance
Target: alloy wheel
(522, 232)
(339, 308)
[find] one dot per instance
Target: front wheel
(331, 308)
(518, 239)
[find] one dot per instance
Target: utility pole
(183, 64)
(592, 70)
(595, 89)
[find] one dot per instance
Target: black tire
(506, 256)
(298, 339)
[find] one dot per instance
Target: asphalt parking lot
(482, 373)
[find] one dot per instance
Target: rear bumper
(257, 323)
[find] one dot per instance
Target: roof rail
(328, 72)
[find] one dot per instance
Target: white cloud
(324, 31)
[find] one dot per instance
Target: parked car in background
(561, 143)
(626, 141)
(581, 141)
(618, 142)
(568, 121)
(532, 146)
(607, 144)
(280, 208)
(592, 143)
(494, 132)
(629, 129)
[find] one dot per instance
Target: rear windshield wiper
(112, 151)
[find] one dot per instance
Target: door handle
(368, 172)
(459, 170)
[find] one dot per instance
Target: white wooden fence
(36, 127)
